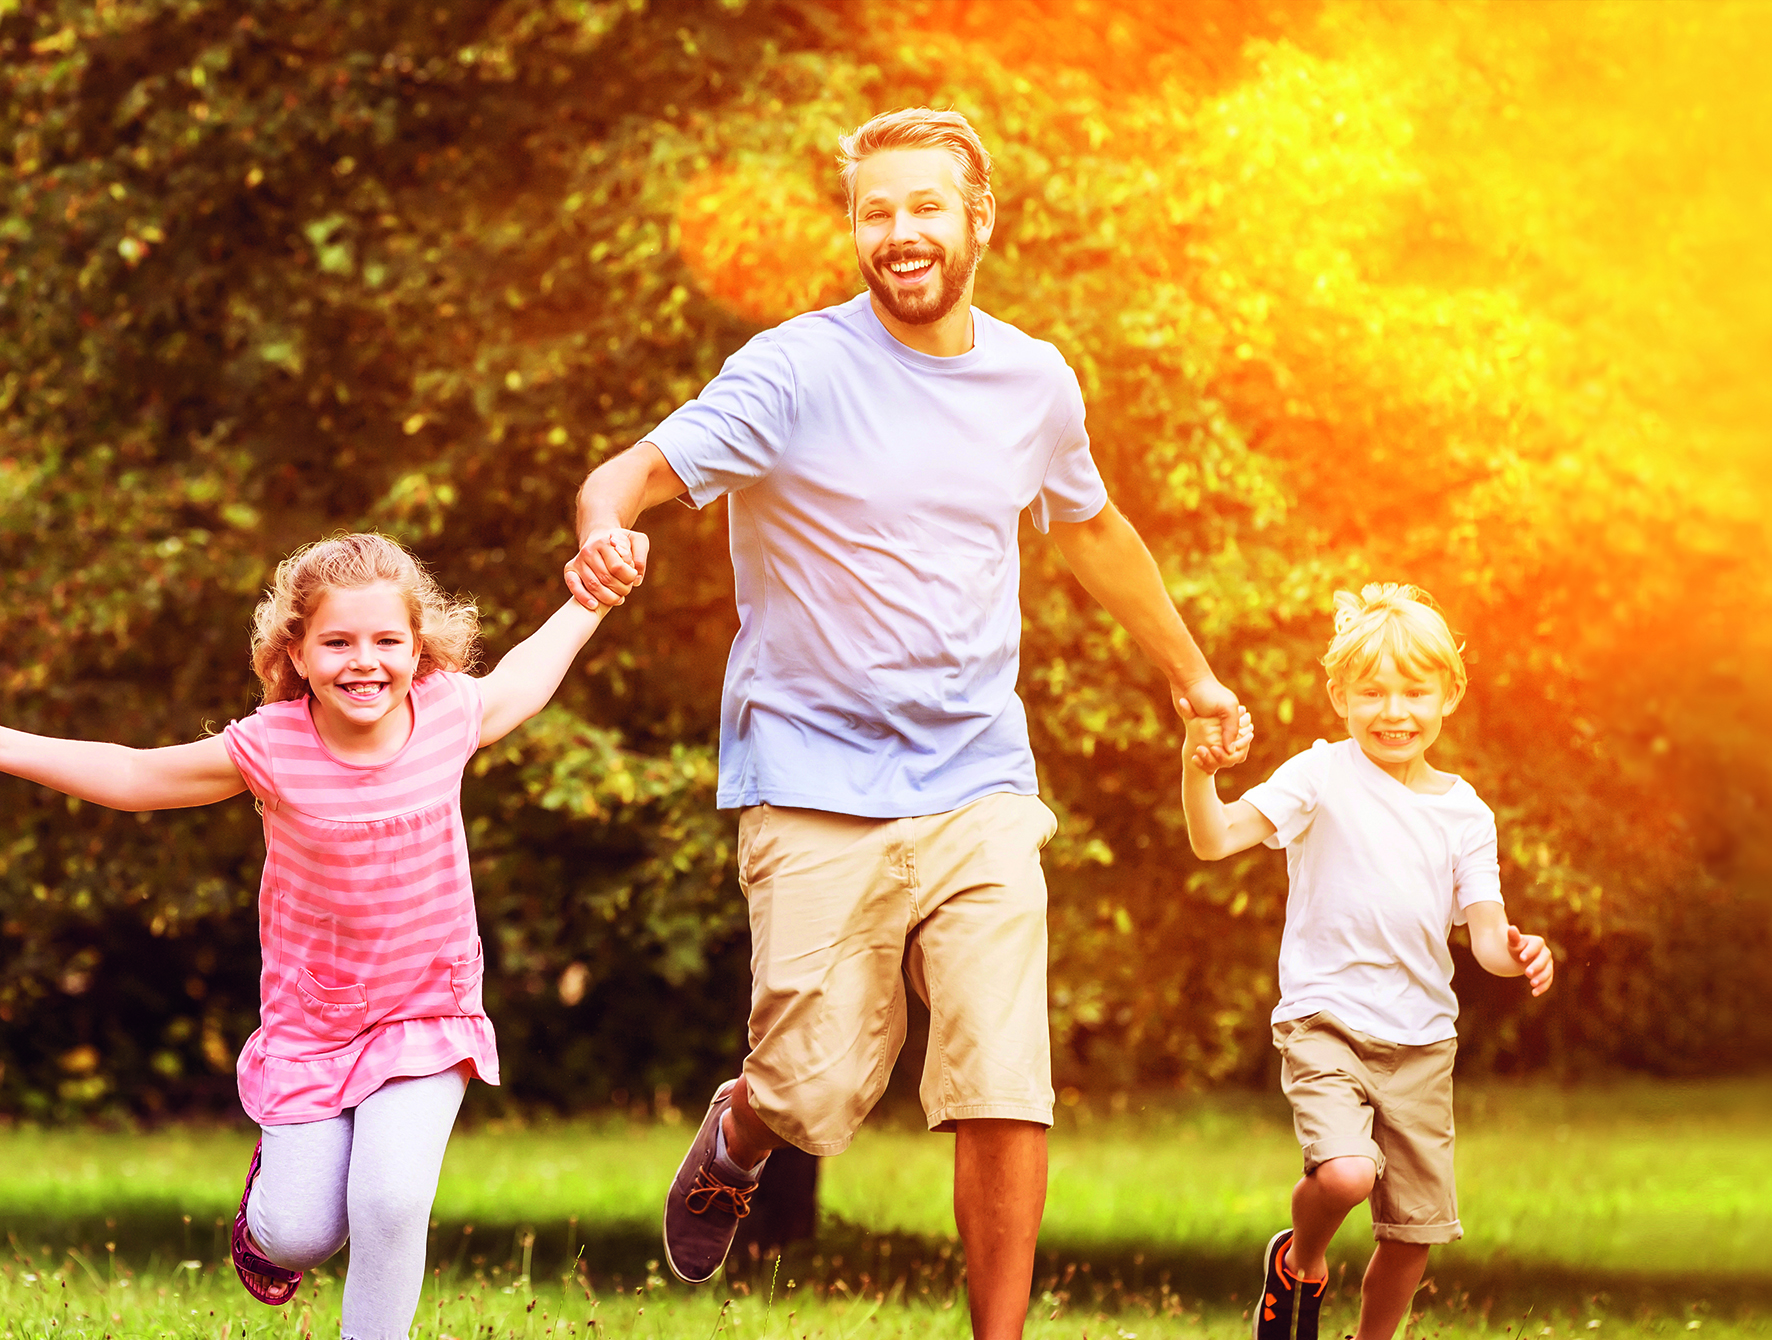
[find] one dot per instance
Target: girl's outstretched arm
(520, 685)
(120, 778)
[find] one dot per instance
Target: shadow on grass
(846, 1259)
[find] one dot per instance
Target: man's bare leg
(747, 1138)
(999, 1197)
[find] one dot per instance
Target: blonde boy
(1384, 855)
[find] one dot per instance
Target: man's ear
(984, 218)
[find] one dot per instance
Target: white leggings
(369, 1175)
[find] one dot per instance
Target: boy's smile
(359, 655)
(1394, 715)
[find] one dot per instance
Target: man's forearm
(1116, 568)
(617, 491)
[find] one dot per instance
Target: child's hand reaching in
(1205, 738)
(1535, 956)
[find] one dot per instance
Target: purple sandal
(252, 1268)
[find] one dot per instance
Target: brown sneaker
(702, 1208)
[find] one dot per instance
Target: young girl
(370, 1014)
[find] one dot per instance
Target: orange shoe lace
(711, 1191)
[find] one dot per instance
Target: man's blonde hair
(1394, 619)
(447, 630)
(918, 128)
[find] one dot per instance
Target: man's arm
(611, 559)
(1114, 566)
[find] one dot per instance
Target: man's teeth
(906, 267)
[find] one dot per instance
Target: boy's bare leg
(747, 1138)
(1392, 1277)
(999, 1196)
(1320, 1201)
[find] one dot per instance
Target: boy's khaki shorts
(1352, 1094)
(842, 908)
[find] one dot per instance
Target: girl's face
(359, 654)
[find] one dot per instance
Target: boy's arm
(520, 685)
(1504, 951)
(1115, 567)
(120, 778)
(1216, 830)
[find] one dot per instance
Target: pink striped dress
(372, 964)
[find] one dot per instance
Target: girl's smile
(358, 655)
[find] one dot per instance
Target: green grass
(1627, 1210)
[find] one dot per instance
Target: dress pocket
(335, 1013)
(466, 976)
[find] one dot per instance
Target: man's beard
(927, 305)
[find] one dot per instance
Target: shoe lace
(709, 1192)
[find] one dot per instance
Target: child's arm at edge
(118, 777)
(521, 684)
(1216, 830)
(1504, 951)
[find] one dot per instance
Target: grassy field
(1617, 1211)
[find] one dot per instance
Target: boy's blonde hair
(918, 128)
(447, 630)
(1392, 618)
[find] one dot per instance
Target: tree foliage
(1353, 294)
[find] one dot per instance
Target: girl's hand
(1534, 956)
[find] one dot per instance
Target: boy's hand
(1205, 746)
(1535, 956)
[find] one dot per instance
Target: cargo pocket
(465, 978)
(335, 1013)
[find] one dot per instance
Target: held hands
(1219, 731)
(1534, 956)
(608, 565)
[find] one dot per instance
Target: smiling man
(877, 456)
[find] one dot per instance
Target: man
(878, 455)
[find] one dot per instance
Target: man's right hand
(608, 565)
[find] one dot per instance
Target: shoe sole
(720, 1093)
(1267, 1256)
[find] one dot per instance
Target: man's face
(915, 243)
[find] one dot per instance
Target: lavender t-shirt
(875, 498)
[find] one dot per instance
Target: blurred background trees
(1467, 296)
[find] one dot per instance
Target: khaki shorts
(842, 910)
(1354, 1095)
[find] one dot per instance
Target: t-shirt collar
(870, 320)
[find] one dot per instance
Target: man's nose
(904, 226)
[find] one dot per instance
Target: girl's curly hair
(447, 630)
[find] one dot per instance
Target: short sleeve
(248, 745)
(1071, 490)
(732, 434)
(473, 705)
(1476, 878)
(1288, 799)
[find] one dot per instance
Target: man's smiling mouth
(911, 267)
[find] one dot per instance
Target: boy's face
(1393, 714)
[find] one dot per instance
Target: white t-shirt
(1379, 876)
(875, 496)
